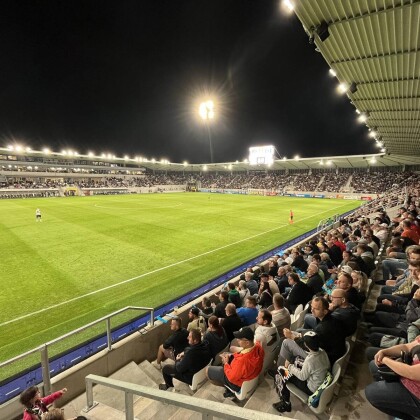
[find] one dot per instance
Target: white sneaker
(157, 365)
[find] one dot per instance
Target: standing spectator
(34, 404)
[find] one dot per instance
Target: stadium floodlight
(321, 162)
(10, 147)
(91, 154)
(342, 88)
(18, 148)
(230, 167)
(284, 158)
(362, 118)
(357, 111)
(297, 157)
(373, 134)
(205, 168)
(46, 151)
(288, 6)
(28, 149)
(126, 157)
(64, 152)
(373, 160)
(153, 160)
(332, 73)
(329, 162)
(185, 163)
(36, 167)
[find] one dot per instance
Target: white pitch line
(154, 271)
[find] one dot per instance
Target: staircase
(111, 403)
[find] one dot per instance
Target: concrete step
(153, 373)
(145, 408)
(103, 411)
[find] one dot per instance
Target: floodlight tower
(206, 111)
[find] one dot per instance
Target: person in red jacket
(239, 367)
(35, 406)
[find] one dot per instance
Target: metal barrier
(208, 410)
(43, 350)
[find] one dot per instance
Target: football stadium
(256, 288)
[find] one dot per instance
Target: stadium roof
(373, 46)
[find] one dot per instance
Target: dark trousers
(169, 372)
(302, 385)
(394, 399)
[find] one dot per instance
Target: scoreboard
(261, 155)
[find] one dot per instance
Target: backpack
(313, 399)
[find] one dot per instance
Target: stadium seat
(340, 362)
(248, 387)
(326, 396)
(299, 319)
(199, 378)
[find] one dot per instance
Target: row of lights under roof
(70, 152)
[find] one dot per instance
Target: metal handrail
(208, 410)
(43, 349)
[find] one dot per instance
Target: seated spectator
(196, 320)
(243, 291)
(366, 254)
(233, 295)
(401, 398)
(248, 314)
(314, 281)
(313, 372)
(280, 314)
(299, 294)
(360, 283)
(238, 367)
(281, 279)
(34, 404)
(232, 322)
(215, 336)
(265, 295)
(329, 329)
(207, 310)
(174, 344)
(266, 331)
(219, 309)
(345, 282)
(187, 363)
(298, 260)
(251, 283)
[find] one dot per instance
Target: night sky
(126, 77)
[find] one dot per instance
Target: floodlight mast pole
(206, 112)
(210, 141)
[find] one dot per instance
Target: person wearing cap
(196, 320)
(310, 376)
(187, 363)
(239, 367)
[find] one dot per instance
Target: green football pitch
(94, 255)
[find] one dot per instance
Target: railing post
(152, 316)
(45, 364)
(108, 334)
(129, 411)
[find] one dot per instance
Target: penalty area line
(112, 286)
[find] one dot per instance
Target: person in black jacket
(174, 344)
(299, 293)
(232, 322)
(188, 363)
